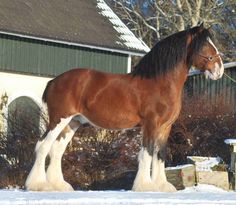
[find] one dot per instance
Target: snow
(204, 163)
(179, 167)
(201, 194)
(126, 37)
(230, 141)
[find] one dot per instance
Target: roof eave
(115, 50)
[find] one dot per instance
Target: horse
(148, 97)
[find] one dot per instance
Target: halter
(210, 58)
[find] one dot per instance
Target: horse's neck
(175, 83)
(180, 74)
(177, 78)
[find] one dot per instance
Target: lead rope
(230, 77)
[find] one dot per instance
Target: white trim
(74, 44)
(24, 93)
(129, 64)
(30, 95)
(230, 64)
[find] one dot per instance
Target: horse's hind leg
(36, 180)
(54, 171)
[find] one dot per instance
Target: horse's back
(96, 95)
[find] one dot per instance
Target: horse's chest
(172, 114)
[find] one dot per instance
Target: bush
(99, 155)
(201, 130)
(17, 145)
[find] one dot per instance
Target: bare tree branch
(152, 20)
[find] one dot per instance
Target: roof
(89, 23)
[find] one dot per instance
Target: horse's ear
(200, 26)
(198, 29)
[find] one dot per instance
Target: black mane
(167, 53)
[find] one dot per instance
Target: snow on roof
(126, 36)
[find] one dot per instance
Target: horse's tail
(44, 97)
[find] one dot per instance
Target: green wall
(50, 59)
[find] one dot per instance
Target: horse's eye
(210, 58)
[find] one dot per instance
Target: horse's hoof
(145, 187)
(166, 187)
(62, 186)
(39, 186)
(154, 187)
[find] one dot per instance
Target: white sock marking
(54, 171)
(37, 176)
(143, 178)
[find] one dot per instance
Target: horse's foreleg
(54, 171)
(158, 164)
(143, 181)
(37, 180)
(158, 172)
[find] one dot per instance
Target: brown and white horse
(149, 97)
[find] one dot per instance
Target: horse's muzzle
(215, 73)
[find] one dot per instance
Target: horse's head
(206, 56)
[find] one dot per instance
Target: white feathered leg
(159, 175)
(36, 180)
(155, 168)
(54, 171)
(143, 180)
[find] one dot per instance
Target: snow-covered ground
(202, 194)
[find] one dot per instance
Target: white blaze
(219, 68)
